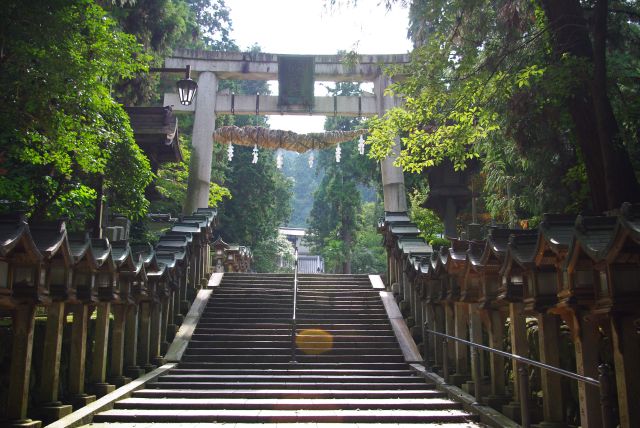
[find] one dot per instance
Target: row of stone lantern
(138, 297)
(231, 257)
(580, 274)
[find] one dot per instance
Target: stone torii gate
(211, 67)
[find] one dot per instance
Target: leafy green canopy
(507, 81)
(60, 128)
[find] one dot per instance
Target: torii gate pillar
(203, 126)
(395, 199)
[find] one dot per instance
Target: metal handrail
(603, 382)
(295, 304)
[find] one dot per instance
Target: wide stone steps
(239, 367)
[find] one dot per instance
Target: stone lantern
(584, 277)
(127, 271)
(198, 241)
(22, 270)
(21, 279)
(177, 249)
(517, 268)
(231, 260)
(472, 280)
(555, 233)
(85, 267)
(107, 292)
(84, 273)
(51, 240)
(219, 250)
(172, 287)
(619, 301)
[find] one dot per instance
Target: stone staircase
(238, 367)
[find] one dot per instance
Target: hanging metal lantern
(187, 88)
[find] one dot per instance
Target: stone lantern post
(21, 282)
(51, 239)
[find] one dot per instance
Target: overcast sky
(307, 27)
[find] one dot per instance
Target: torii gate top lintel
(264, 66)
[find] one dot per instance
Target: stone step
(359, 325)
(286, 337)
(286, 349)
(284, 416)
(288, 378)
(288, 403)
(270, 314)
(270, 425)
(287, 393)
(299, 365)
(236, 344)
(284, 358)
(280, 385)
(295, 372)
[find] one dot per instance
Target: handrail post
(523, 374)
(295, 303)
(445, 361)
(475, 355)
(605, 396)
(425, 344)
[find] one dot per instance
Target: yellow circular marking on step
(314, 341)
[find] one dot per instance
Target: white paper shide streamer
(361, 145)
(255, 154)
(230, 152)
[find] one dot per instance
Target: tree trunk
(609, 170)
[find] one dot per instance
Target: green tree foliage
(214, 24)
(369, 255)
(517, 83)
(305, 183)
(431, 227)
(60, 128)
(260, 203)
(333, 220)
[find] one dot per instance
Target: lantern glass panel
(4, 274)
(104, 280)
(583, 278)
(23, 275)
(81, 279)
(57, 275)
(604, 284)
